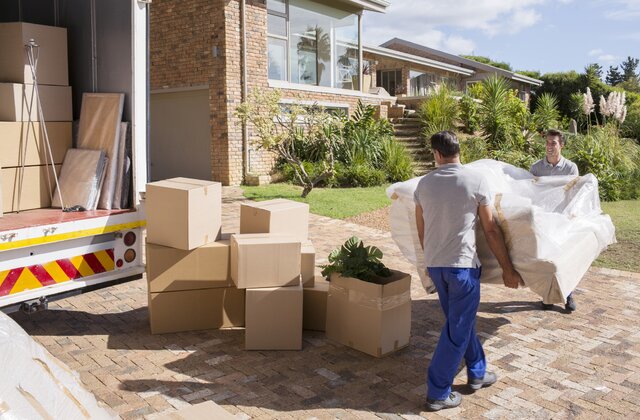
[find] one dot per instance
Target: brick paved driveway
(551, 365)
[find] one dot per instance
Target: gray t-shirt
(449, 197)
(563, 167)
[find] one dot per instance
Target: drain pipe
(245, 126)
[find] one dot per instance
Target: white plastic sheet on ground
(553, 226)
(36, 385)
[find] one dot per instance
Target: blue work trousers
(459, 293)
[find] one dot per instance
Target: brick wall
(183, 36)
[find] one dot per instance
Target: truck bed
(41, 217)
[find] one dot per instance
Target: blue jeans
(459, 293)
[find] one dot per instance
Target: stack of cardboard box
(272, 259)
(23, 143)
(188, 270)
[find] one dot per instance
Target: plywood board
(99, 129)
(80, 178)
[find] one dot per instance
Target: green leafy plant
(546, 115)
(469, 114)
(355, 260)
(397, 163)
(439, 111)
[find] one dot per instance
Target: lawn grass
(625, 255)
(337, 203)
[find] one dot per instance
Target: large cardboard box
(23, 144)
(207, 410)
(171, 269)
(265, 260)
(15, 102)
(53, 67)
(190, 310)
(372, 318)
(274, 318)
(36, 188)
(307, 264)
(314, 307)
(275, 216)
(183, 213)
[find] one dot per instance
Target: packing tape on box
(4, 407)
(361, 299)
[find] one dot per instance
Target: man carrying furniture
(449, 202)
(555, 164)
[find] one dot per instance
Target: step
(407, 132)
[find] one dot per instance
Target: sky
(545, 35)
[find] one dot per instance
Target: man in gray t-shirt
(449, 202)
(555, 164)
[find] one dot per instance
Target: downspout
(360, 58)
(243, 82)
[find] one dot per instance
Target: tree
(487, 60)
(613, 76)
(630, 68)
(593, 72)
(284, 133)
(530, 73)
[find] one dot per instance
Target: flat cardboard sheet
(52, 53)
(122, 167)
(24, 144)
(553, 226)
(99, 129)
(80, 178)
(207, 410)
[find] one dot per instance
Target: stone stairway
(408, 131)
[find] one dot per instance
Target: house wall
(184, 35)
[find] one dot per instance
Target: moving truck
(47, 253)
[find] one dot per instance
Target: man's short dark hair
(446, 143)
(555, 133)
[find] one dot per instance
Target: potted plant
(368, 305)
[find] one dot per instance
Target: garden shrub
(360, 175)
(469, 114)
(396, 161)
(472, 149)
(439, 111)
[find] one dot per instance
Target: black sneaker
(570, 306)
(488, 379)
(453, 400)
(546, 306)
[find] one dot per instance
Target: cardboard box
(307, 264)
(171, 269)
(207, 410)
(274, 318)
(53, 67)
(191, 310)
(276, 216)
(314, 306)
(15, 100)
(265, 260)
(372, 318)
(183, 213)
(36, 193)
(15, 136)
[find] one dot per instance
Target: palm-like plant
(439, 111)
(494, 111)
(546, 115)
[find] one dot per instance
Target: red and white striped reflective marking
(32, 277)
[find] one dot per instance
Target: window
(391, 80)
(421, 83)
(277, 39)
(312, 43)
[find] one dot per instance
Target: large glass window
(421, 83)
(318, 44)
(391, 80)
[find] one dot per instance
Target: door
(180, 143)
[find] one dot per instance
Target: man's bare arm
(492, 232)
(420, 224)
